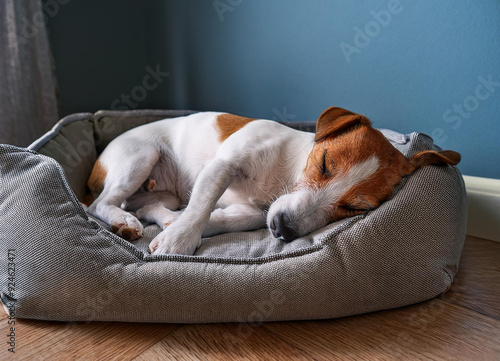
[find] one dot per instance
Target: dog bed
(58, 263)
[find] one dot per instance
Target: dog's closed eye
(324, 171)
(327, 166)
(358, 205)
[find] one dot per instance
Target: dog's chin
(303, 215)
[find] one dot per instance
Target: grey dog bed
(58, 263)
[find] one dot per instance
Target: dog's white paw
(176, 239)
(127, 226)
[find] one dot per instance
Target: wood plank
(435, 330)
(222, 342)
(477, 283)
(43, 340)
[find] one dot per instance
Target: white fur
(308, 208)
(224, 186)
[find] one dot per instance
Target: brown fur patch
(340, 153)
(345, 139)
(428, 157)
(334, 121)
(97, 177)
(228, 124)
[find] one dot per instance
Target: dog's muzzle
(282, 227)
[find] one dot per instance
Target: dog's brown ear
(335, 120)
(427, 157)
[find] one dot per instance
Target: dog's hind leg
(234, 218)
(118, 173)
(157, 207)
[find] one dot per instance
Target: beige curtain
(28, 106)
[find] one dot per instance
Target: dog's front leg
(184, 235)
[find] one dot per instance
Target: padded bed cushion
(69, 267)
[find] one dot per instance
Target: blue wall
(427, 66)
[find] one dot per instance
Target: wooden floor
(463, 324)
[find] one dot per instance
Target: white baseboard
(483, 196)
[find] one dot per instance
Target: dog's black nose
(282, 227)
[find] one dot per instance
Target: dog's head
(351, 170)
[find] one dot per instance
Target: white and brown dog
(229, 172)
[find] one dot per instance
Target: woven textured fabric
(70, 268)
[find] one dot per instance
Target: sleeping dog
(229, 173)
